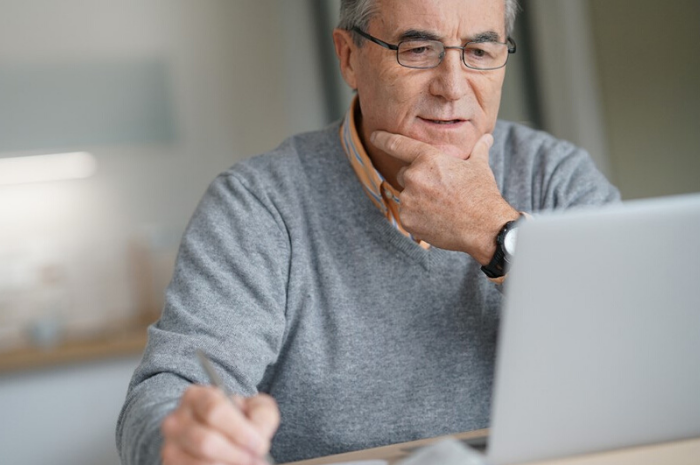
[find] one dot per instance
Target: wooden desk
(673, 453)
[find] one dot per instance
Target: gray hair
(357, 13)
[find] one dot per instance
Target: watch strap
(496, 268)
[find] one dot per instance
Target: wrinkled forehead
(447, 20)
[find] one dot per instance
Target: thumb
(401, 147)
(482, 147)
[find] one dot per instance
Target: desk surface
(673, 453)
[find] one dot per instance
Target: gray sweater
(296, 285)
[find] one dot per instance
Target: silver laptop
(599, 346)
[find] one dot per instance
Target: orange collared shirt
(382, 194)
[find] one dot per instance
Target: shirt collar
(380, 192)
(369, 177)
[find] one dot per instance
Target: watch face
(509, 241)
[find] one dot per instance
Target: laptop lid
(599, 346)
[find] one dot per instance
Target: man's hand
(448, 202)
(206, 428)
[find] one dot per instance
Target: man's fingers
(208, 427)
(196, 442)
(399, 146)
(212, 408)
(172, 454)
(400, 176)
(239, 401)
(407, 149)
(263, 412)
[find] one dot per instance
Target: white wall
(242, 76)
(63, 416)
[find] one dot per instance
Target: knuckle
(406, 202)
(188, 396)
(169, 453)
(206, 444)
(169, 425)
(393, 144)
(417, 182)
(191, 395)
(212, 410)
(410, 176)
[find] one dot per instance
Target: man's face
(450, 106)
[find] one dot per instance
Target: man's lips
(443, 121)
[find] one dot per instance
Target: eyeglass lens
(429, 54)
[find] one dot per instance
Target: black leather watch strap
(497, 267)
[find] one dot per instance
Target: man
(341, 274)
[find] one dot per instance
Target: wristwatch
(505, 248)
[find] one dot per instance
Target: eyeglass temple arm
(374, 39)
(512, 46)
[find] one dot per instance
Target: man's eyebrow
(418, 34)
(489, 36)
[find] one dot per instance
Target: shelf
(109, 344)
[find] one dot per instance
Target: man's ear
(346, 51)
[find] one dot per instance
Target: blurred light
(42, 168)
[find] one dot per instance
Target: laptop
(599, 346)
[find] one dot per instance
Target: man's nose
(451, 76)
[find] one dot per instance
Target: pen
(216, 381)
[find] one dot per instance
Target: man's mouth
(443, 121)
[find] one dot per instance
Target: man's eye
(478, 52)
(417, 49)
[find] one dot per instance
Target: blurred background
(116, 115)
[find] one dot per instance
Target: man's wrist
(487, 248)
(503, 245)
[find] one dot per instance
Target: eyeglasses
(426, 54)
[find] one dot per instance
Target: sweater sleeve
(227, 297)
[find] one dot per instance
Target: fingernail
(373, 136)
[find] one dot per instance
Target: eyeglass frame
(510, 42)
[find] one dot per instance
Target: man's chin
(453, 150)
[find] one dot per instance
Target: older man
(349, 274)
